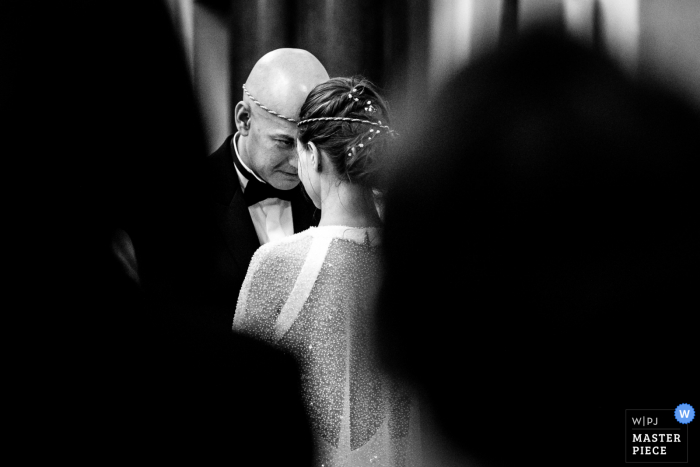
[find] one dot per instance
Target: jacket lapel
(238, 229)
(230, 209)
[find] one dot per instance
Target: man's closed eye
(285, 143)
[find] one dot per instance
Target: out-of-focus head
(354, 151)
(542, 220)
(279, 81)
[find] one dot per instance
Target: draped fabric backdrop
(384, 40)
(411, 47)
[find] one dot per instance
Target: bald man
(253, 176)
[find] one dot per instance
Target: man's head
(280, 81)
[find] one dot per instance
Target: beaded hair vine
(369, 108)
(347, 119)
(265, 108)
(356, 120)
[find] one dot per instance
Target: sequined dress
(312, 295)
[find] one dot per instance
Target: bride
(312, 294)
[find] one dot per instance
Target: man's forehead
(275, 107)
(274, 125)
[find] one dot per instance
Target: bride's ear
(315, 156)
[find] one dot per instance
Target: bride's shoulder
(292, 246)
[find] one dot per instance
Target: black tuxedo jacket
(234, 239)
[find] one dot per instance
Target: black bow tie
(256, 191)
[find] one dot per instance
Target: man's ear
(242, 115)
(315, 157)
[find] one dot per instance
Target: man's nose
(294, 158)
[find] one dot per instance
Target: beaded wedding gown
(312, 295)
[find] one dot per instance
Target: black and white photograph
(351, 233)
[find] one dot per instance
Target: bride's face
(309, 176)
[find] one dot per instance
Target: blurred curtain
(409, 47)
(669, 44)
(384, 40)
(368, 37)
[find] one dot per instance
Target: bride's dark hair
(357, 149)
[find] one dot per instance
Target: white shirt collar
(241, 177)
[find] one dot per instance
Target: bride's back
(312, 295)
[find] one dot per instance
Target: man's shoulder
(221, 173)
(222, 155)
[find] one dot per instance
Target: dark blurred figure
(542, 252)
(119, 362)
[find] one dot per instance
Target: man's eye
(284, 143)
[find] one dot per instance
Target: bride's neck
(349, 205)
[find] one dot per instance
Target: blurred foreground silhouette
(108, 249)
(542, 251)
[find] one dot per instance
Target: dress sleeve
(258, 301)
